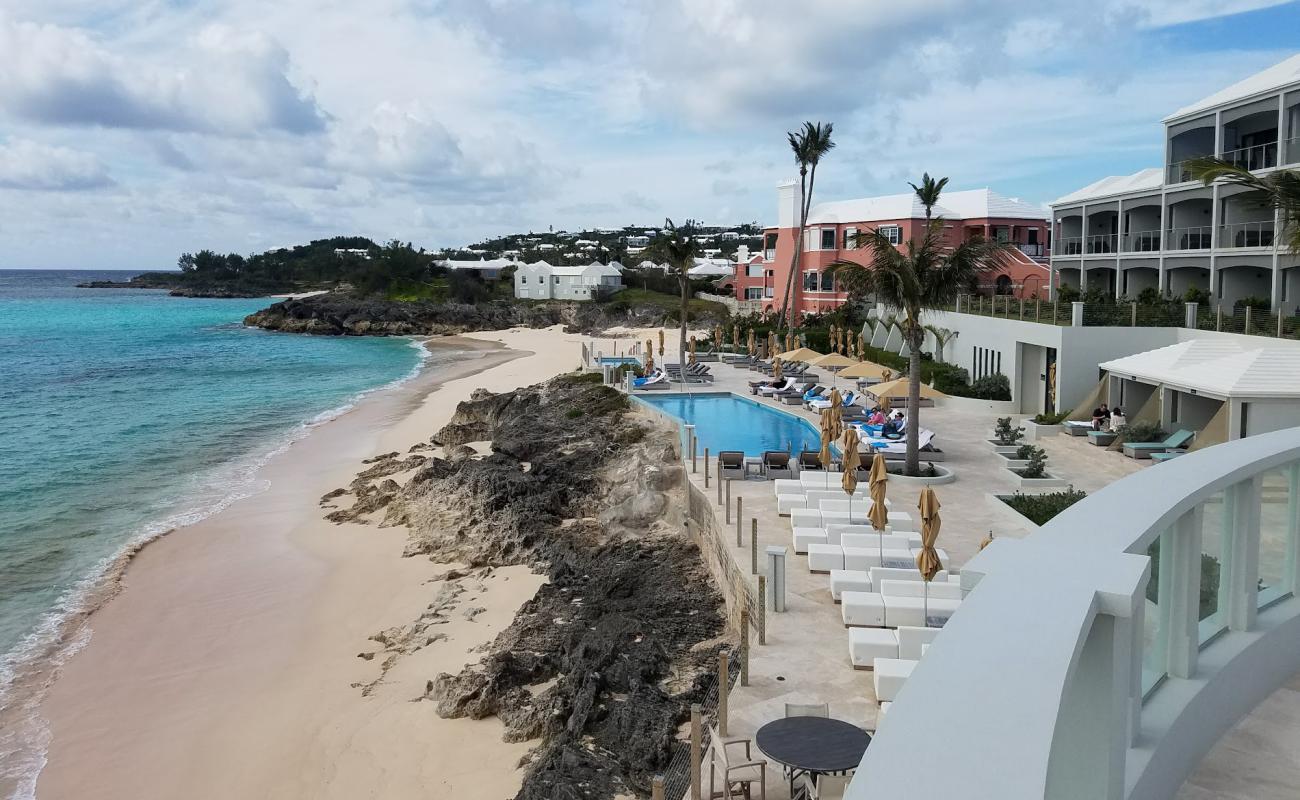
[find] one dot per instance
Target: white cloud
(25, 164)
(1162, 13)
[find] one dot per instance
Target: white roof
(968, 204)
(1220, 366)
(490, 263)
(592, 269)
(705, 267)
(1143, 180)
(1271, 79)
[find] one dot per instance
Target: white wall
(1266, 416)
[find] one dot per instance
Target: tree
(928, 192)
(809, 144)
(677, 246)
(1279, 190)
(924, 275)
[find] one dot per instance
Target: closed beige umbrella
(717, 337)
(661, 342)
(824, 455)
(649, 356)
(841, 340)
(753, 345)
(862, 346)
(927, 561)
(986, 541)
(777, 377)
(851, 460)
(735, 338)
(692, 359)
(878, 515)
(836, 418)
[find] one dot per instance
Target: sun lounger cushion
(900, 611)
(863, 609)
(868, 644)
(889, 541)
(938, 589)
(825, 557)
(788, 486)
(880, 574)
(849, 580)
(890, 675)
(912, 641)
(785, 503)
(807, 536)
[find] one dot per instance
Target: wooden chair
(738, 776)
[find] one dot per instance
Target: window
(754, 293)
(850, 238)
(755, 271)
(523, 279)
(892, 232)
(769, 246)
(810, 281)
(556, 279)
(828, 238)
(828, 281)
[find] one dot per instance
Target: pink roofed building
(833, 227)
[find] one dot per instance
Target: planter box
(1003, 448)
(945, 475)
(1012, 462)
(1035, 432)
(1048, 481)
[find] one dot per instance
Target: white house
(712, 268)
(489, 268)
(541, 281)
(637, 241)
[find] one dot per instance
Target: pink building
(833, 227)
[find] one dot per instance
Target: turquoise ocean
(125, 413)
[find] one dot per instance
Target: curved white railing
(1058, 678)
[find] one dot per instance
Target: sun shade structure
(1219, 367)
(878, 515)
(898, 389)
(852, 460)
(864, 369)
(649, 355)
(927, 561)
(800, 354)
(833, 360)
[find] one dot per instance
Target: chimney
(742, 254)
(787, 204)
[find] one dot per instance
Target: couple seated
(886, 427)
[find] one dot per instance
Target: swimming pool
(731, 422)
(619, 360)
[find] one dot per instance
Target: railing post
(1038, 315)
(753, 546)
(744, 647)
(717, 465)
(1076, 314)
(762, 609)
(1133, 315)
(740, 505)
(706, 468)
(690, 439)
(1218, 317)
(724, 686)
(1190, 312)
(1239, 572)
(657, 788)
(1022, 308)
(1248, 310)
(696, 751)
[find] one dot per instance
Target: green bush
(1067, 294)
(1052, 419)
(950, 378)
(1149, 296)
(1005, 433)
(991, 387)
(1209, 594)
(1196, 294)
(1024, 451)
(1037, 458)
(1255, 303)
(1039, 508)
(1143, 432)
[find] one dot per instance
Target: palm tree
(678, 247)
(925, 274)
(809, 144)
(1279, 190)
(928, 192)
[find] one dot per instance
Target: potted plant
(1034, 473)
(1006, 437)
(1045, 425)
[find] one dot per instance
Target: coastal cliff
(602, 665)
(339, 313)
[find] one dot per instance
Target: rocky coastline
(175, 288)
(602, 665)
(344, 314)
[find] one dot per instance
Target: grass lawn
(669, 302)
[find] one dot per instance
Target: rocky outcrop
(178, 287)
(604, 662)
(340, 313)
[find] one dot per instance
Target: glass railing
(1142, 241)
(1246, 234)
(1260, 156)
(1068, 246)
(1197, 238)
(1032, 250)
(1178, 172)
(1101, 243)
(1291, 150)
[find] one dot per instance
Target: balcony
(1105, 654)
(1142, 242)
(1197, 238)
(1260, 156)
(1031, 250)
(1100, 244)
(1178, 172)
(1247, 234)
(1291, 151)
(1068, 246)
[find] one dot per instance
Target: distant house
(545, 246)
(541, 281)
(637, 241)
(712, 268)
(730, 236)
(360, 252)
(489, 269)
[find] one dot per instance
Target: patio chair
(739, 773)
(732, 465)
(807, 709)
(809, 460)
(826, 787)
(655, 381)
(1175, 441)
(776, 464)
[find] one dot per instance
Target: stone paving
(806, 657)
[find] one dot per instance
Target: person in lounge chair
(877, 417)
(654, 377)
(1117, 419)
(1100, 418)
(894, 426)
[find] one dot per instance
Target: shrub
(1209, 594)
(1005, 434)
(1256, 303)
(573, 413)
(950, 378)
(1142, 432)
(1051, 419)
(1067, 294)
(1149, 296)
(1039, 508)
(991, 387)
(1025, 451)
(1037, 466)
(1196, 294)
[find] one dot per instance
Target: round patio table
(813, 745)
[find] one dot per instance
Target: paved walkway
(806, 655)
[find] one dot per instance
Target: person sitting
(1100, 418)
(877, 417)
(894, 426)
(1117, 419)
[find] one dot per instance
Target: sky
(134, 130)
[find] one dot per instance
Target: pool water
(730, 422)
(619, 360)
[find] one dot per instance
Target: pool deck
(806, 655)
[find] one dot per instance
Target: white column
(1184, 579)
(1119, 245)
(1239, 571)
(1162, 282)
(1083, 248)
(1293, 528)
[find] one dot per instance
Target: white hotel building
(1159, 228)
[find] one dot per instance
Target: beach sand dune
(231, 663)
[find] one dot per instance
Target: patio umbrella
(862, 346)
(841, 340)
(837, 414)
(851, 461)
(878, 515)
(827, 437)
(649, 356)
(753, 346)
(927, 561)
(692, 359)
(897, 389)
(986, 541)
(864, 369)
(800, 354)
(661, 342)
(789, 340)
(833, 361)
(735, 337)
(777, 377)
(717, 337)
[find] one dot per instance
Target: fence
(1008, 307)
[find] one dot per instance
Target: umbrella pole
(926, 610)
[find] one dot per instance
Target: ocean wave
(29, 669)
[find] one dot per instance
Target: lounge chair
(809, 390)
(809, 460)
(768, 391)
(776, 464)
(820, 403)
(1167, 455)
(732, 464)
(1076, 427)
(1145, 449)
(738, 773)
(658, 380)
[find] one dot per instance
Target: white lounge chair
(890, 675)
(825, 557)
(803, 537)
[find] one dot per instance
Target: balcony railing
(1246, 234)
(1103, 655)
(1197, 238)
(1032, 250)
(1291, 150)
(1260, 156)
(1142, 241)
(1178, 171)
(1068, 246)
(1102, 243)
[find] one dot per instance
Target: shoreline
(117, 687)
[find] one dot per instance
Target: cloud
(29, 165)
(233, 82)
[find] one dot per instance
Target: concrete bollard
(744, 647)
(776, 569)
(753, 546)
(727, 502)
(724, 686)
(690, 444)
(706, 468)
(717, 465)
(695, 752)
(1076, 314)
(762, 609)
(740, 504)
(657, 788)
